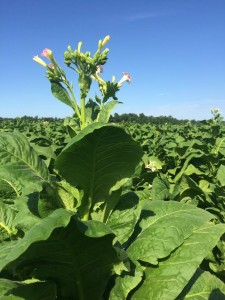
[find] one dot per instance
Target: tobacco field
(154, 228)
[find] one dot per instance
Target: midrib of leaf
(197, 294)
(91, 190)
(78, 282)
(9, 183)
(218, 148)
(167, 214)
(5, 227)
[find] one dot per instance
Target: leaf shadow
(145, 214)
(215, 294)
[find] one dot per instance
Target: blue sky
(174, 49)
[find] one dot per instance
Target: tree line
(118, 118)
(142, 118)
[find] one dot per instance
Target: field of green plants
(155, 225)
(93, 210)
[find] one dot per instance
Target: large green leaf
(97, 159)
(39, 232)
(77, 256)
(20, 166)
(166, 281)
(165, 226)
(203, 286)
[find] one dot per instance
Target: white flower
(39, 61)
(215, 110)
(152, 166)
(126, 77)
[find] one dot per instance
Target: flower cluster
(217, 115)
(152, 166)
(215, 111)
(88, 68)
(48, 54)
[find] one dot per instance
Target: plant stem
(83, 117)
(74, 102)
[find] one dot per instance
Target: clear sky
(174, 50)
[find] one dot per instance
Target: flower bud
(105, 41)
(69, 49)
(99, 44)
(79, 46)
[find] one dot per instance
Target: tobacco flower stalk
(88, 68)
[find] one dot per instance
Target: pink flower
(51, 66)
(99, 69)
(46, 53)
(126, 77)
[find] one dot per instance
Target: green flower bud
(105, 41)
(79, 46)
(70, 49)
